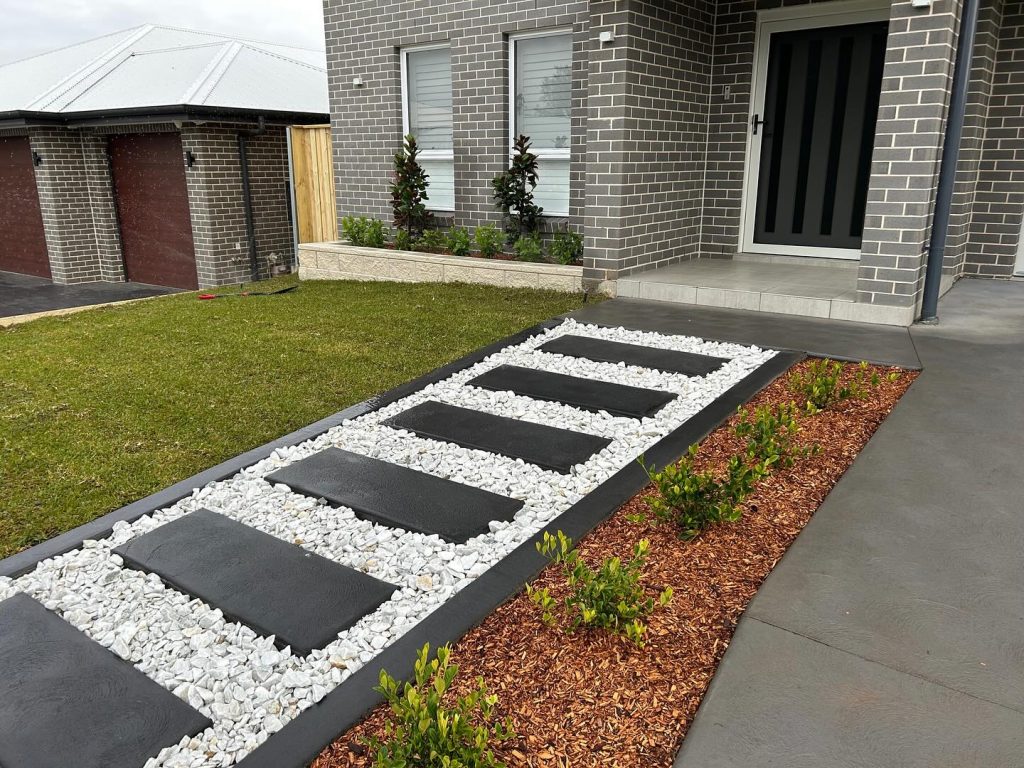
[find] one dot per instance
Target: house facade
(673, 132)
(156, 155)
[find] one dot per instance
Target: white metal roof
(156, 66)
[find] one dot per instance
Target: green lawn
(103, 407)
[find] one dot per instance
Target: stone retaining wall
(338, 261)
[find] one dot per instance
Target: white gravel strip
(250, 689)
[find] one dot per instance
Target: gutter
(250, 223)
(950, 156)
(20, 118)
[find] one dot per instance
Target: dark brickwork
(364, 39)
(217, 204)
(995, 227)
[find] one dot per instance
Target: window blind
(543, 82)
(429, 76)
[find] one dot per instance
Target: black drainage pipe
(250, 222)
(950, 155)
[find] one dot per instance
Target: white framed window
(427, 115)
(540, 81)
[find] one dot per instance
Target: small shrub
(513, 190)
(458, 243)
(529, 248)
(363, 232)
(403, 240)
(566, 247)
(610, 597)
(432, 241)
(489, 240)
(770, 435)
(409, 191)
(426, 731)
(695, 500)
(821, 384)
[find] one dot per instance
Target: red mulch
(593, 699)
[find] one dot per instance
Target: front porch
(781, 285)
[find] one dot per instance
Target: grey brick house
(775, 147)
(154, 154)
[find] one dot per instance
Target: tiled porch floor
(815, 289)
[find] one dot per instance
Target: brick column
(71, 191)
(908, 148)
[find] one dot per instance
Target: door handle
(754, 122)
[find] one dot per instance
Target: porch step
(812, 288)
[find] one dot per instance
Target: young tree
(409, 192)
(513, 191)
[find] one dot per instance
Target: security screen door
(816, 136)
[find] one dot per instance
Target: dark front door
(22, 241)
(821, 103)
(152, 207)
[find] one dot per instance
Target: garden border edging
(341, 261)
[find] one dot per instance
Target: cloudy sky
(33, 27)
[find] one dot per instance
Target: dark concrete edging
(302, 739)
(100, 528)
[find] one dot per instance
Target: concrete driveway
(27, 295)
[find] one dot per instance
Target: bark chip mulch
(593, 699)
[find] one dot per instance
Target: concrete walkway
(892, 632)
(24, 296)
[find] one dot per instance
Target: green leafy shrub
(694, 500)
(489, 240)
(529, 248)
(426, 732)
(409, 191)
(364, 232)
(566, 247)
(513, 190)
(458, 242)
(403, 240)
(770, 434)
(821, 384)
(610, 597)
(432, 241)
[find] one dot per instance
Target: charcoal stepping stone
(276, 588)
(586, 394)
(668, 360)
(65, 700)
(548, 447)
(397, 496)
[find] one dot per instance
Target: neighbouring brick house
(121, 157)
(676, 134)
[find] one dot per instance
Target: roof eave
(159, 114)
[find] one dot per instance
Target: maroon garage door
(22, 242)
(152, 205)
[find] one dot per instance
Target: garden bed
(341, 261)
(593, 698)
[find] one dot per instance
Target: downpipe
(250, 223)
(950, 156)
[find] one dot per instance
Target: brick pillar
(104, 212)
(908, 148)
(73, 194)
(605, 247)
(998, 204)
(217, 207)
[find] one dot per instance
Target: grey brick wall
(364, 39)
(995, 224)
(65, 199)
(217, 204)
(647, 134)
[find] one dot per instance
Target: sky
(34, 26)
